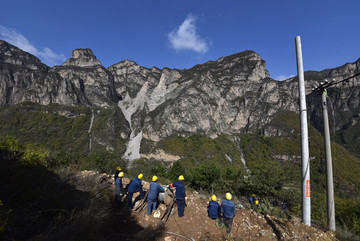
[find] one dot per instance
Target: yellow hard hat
(140, 176)
(228, 196)
(118, 169)
(181, 178)
(253, 195)
(154, 178)
(213, 197)
(121, 174)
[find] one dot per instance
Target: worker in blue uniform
(118, 170)
(213, 208)
(227, 209)
(119, 190)
(135, 186)
(154, 190)
(180, 195)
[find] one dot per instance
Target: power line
(327, 84)
(329, 170)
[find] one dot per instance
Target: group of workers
(226, 210)
(223, 213)
(155, 188)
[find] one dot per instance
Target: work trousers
(180, 206)
(228, 222)
(118, 200)
(130, 194)
(154, 203)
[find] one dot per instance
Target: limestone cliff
(231, 95)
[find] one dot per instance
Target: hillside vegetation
(242, 165)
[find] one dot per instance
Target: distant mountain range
(232, 95)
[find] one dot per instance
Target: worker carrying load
(180, 195)
(155, 189)
(119, 190)
(228, 212)
(135, 186)
(213, 208)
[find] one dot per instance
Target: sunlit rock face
(231, 95)
(82, 58)
(81, 80)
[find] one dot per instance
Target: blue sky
(181, 34)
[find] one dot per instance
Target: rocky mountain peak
(12, 55)
(125, 63)
(247, 65)
(245, 55)
(82, 58)
(126, 66)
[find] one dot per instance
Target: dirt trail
(196, 225)
(247, 225)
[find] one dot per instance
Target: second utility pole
(329, 170)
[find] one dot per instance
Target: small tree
(205, 176)
(175, 171)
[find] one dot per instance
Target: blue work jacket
(228, 209)
(180, 190)
(136, 186)
(154, 190)
(119, 186)
(213, 209)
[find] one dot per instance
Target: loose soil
(196, 225)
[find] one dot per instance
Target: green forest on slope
(272, 164)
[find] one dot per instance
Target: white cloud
(15, 38)
(284, 77)
(185, 37)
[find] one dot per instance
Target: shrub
(35, 155)
(31, 154)
(175, 171)
(205, 176)
(9, 143)
(348, 214)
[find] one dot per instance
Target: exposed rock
(161, 155)
(231, 95)
(24, 78)
(82, 58)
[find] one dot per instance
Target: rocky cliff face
(82, 58)
(80, 81)
(231, 95)
(92, 83)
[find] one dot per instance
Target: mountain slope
(225, 123)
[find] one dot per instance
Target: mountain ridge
(224, 124)
(233, 94)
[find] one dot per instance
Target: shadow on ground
(40, 205)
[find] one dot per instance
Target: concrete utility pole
(329, 170)
(305, 164)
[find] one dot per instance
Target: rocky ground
(196, 225)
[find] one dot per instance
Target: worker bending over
(154, 190)
(135, 186)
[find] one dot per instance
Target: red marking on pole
(307, 188)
